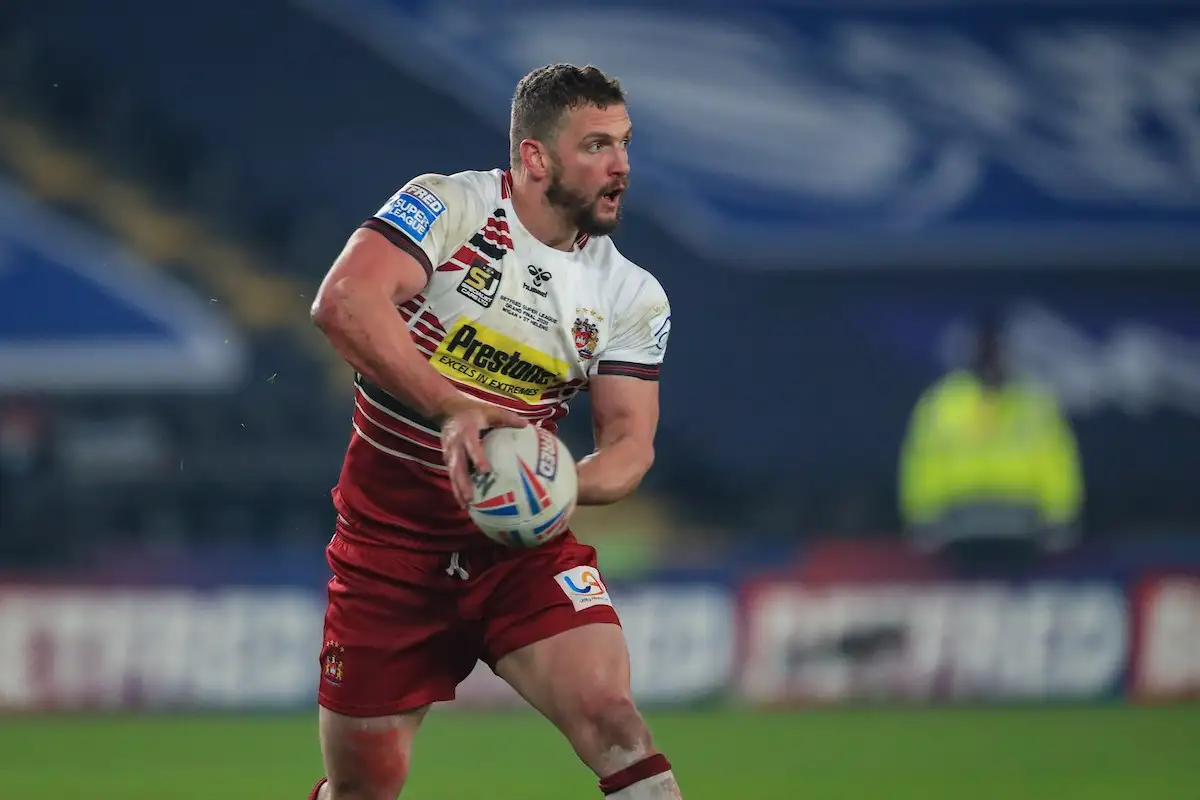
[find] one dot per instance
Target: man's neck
(538, 217)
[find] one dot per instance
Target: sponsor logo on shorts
(413, 210)
(473, 353)
(583, 586)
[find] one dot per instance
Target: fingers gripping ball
(527, 498)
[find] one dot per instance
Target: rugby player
(467, 302)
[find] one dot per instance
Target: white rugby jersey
(509, 320)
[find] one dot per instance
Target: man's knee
(366, 759)
(362, 781)
(352, 787)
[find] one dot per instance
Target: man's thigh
(393, 641)
(532, 595)
(572, 676)
(550, 631)
(579, 680)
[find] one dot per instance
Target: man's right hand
(462, 445)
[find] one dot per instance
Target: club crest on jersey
(331, 665)
(587, 336)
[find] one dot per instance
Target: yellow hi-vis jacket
(1005, 450)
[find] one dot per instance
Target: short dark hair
(544, 95)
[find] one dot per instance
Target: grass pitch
(1027, 753)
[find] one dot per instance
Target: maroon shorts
(403, 629)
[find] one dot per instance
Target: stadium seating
(251, 465)
(98, 156)
(246, 197)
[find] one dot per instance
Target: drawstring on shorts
(456, 568)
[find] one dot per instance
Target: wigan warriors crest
(587, 337)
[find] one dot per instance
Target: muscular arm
(356, 310)
(625, 418)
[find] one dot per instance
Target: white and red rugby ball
(527, 498)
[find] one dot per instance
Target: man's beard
(579, 209)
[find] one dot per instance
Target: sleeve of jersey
(428, 218)
(639, 334)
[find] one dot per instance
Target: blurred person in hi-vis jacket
(989, 468)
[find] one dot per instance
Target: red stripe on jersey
(400, 240)
(367, 441)
(423, 343)
(411, 307)
(500, 238)
(427, 328)
(562, 390)
(539, 414)
(506, 184)
(566, 397)
(502, 400)
(391, 437)
(424, 336)
(393, 423)
(551, 422)
(429, 337)
(649, 372)
(463, 257)
(434, 323)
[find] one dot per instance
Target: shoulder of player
(468, 190)
(627, 279)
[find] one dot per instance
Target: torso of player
(508, 319)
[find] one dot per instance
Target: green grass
(1010, 754)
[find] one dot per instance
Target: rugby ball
(527, 498)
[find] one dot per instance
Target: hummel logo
(539, 276)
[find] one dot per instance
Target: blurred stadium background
(831, 192)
